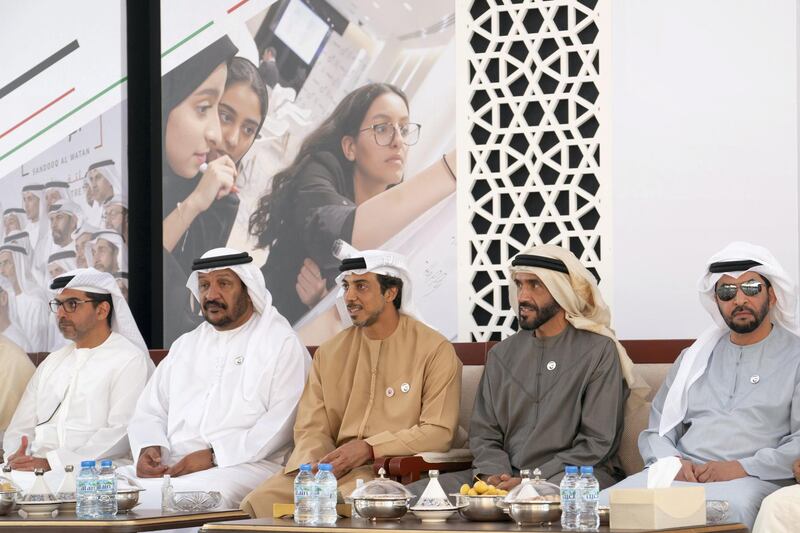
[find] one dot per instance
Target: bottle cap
(325, 467)
(587, 470)
(305, 467)
(88, 464)
(106, 462)
(571, 469)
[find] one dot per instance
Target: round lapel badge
(405, 387)
(389, 392)
(754, 379)
(551, 365)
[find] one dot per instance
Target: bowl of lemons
(478, 503)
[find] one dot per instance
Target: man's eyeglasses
(727, 291)
(385, 132)
(69, 305)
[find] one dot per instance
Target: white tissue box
(658, 508)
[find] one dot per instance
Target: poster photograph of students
(66, 208)
(302, 132)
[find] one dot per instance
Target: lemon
(464, 489)
(472, 492)
(481, 487)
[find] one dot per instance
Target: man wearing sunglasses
(79, 401)
(727, 409)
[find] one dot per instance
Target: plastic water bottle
(569, 505)
(305, 496)
(326, 495)
(587, 493)
(106, 490)
(86, 485)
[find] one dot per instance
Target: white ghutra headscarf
(91, 280)
(273, 329)
(378, 262)
(740, 257)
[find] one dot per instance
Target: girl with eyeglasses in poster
(346, 182)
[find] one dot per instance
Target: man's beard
(542, 315)
(239, 309)
(747, 327)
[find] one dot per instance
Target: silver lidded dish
(381, 499)
(8, 501)
(534, 501)
(9, 492)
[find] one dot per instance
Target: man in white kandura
(219, 411)
(79, 401)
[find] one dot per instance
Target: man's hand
(23, 447)
(348, 456)
(26, 463)
(149, 463)
(509, 483)
(496, 479)
(29, 463)
(686, 473)
(796, 470)
(194, 462)
(719, 471)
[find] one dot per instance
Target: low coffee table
(411, 524)
(131, 522)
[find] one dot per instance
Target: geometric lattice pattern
(533, 145)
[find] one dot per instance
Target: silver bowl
(605, 513)
(8, 500)
(534, 513)
(381, 509)
(127, 499)
(480, 508)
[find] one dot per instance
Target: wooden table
(130, 522)
(411, 524)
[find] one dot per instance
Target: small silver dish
(196, 500)
(535, 512)
(381, 508)
(480, 508)
(717, 511)
(127, 499)
(605, 513)
(8, 500)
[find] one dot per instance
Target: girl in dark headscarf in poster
(200, 163)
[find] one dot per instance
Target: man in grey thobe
(727, 408)
(552, 394)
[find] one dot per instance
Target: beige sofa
(408, 469)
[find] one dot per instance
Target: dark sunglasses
(727, 291)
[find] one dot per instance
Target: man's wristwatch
(213, 457)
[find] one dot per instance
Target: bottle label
(568, 495)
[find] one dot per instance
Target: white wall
(704, 149)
